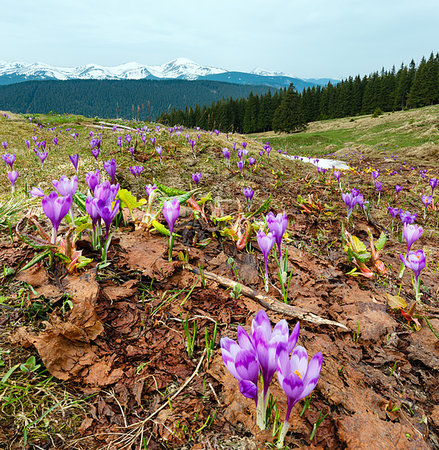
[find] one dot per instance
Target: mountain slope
(144, 99)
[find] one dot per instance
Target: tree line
(127, 99)
(288, 110)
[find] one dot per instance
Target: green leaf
(84, 226)
(9, 373)
(381, 242)
(83, 261)
(127, 199)
(362, 257)
(261, 209)
(170, 192)
(358, 245)
(35, 259)
(80, 200)
(206, 199)
(162, 229)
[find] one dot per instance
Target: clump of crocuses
(264, 352)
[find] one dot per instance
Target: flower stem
(54, 233)
(283, 433)
(261, 410)
(171, 244)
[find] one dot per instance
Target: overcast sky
(314, 38)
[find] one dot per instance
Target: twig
(271, 303)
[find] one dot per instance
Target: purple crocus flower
(36, 192)
(244, 145)
(95, 152)
(55, 141)
(110, 167)
(93, 179)
(379, 186)
(398, 189)
(226, 153)
(248, 194)
(128, 138)
(426, 200)
(265, 242)
(27, 144)
(407, 217)
(74, 160)
(251, 161)
(136, 170)
(152, 141)
(196, 177)
(107, 214)
(192, 142)
(375, 174)
(120, 142)
(297, 377)
(159, 150)
(337, 175)
(66, 187)
(277, 225)
(416, 261)
(106, 192)
(411, 233)
(240, 153)
(92, 210)
(9, 159)
(56, 208)
(433, 183)
(261, 153)
(171, 211)
(12, 176)
(150, 188)
(240, 360)
(240, 165)
(393, 212)
(5, 145)
(42, 156)
(350, 200)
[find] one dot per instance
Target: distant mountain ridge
(177, 69)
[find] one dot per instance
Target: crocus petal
(248, 389)
(247, 365)
(312, 374)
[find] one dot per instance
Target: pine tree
(288, 116)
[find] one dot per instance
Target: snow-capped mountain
(180, 68)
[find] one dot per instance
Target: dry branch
(271, 303)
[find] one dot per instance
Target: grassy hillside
(412, 134)
(123, 351)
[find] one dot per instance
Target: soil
(123, 340)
